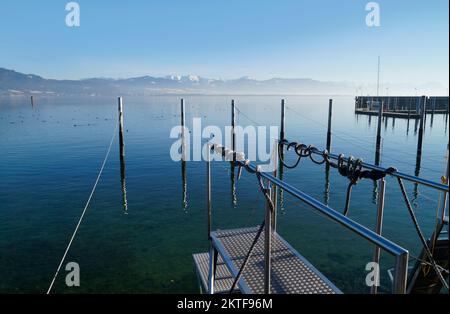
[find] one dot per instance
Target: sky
(326, 40)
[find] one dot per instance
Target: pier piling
(122, 157)
(378, 145)
(182, 108)
(121, 141)
(183, 155)
(330, 113)
(283, 121)
(233, 147)
(233, 125)
(183, 125)
(423, 109)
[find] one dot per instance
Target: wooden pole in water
(183, 123)
(330, 113)
(121, 141)
(283, 121)
(233, 148)
(282, 138)
(233, 125)
(32, 101)
(378, 147)
(182, 110)
(423, 110)
(122, 157)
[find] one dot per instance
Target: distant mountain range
(15, 83)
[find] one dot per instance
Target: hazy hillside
(15, 83)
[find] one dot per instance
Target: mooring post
(283, 121)
(378, 147)
(378, 230)
(233, 125)
(183, 155)
(330, 113)
(233, 147)
(423, 110)
(183, 119)
(183, 124)
(121, 141)
(122, 157)
(281, 148)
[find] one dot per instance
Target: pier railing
(401, 255)
(432, 184)
(356, 169)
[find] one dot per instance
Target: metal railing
(440, 187)
(401, 255)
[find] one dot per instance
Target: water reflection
(233, 186)
(123, 184)
(417, 174)
(122, 160)
(326, 194)
(184, 201)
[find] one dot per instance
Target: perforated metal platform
(291, 272)
(223, 280)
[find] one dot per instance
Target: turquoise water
(51, 154)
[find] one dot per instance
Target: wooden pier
(406, 107)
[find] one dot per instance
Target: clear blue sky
(319, 39)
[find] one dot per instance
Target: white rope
(84, 211)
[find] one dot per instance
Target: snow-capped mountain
(15, 83)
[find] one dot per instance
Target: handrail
(402, 255)
(407, 177)
(350, 224)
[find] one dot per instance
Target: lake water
(51, 154)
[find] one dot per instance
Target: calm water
(51, 154)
